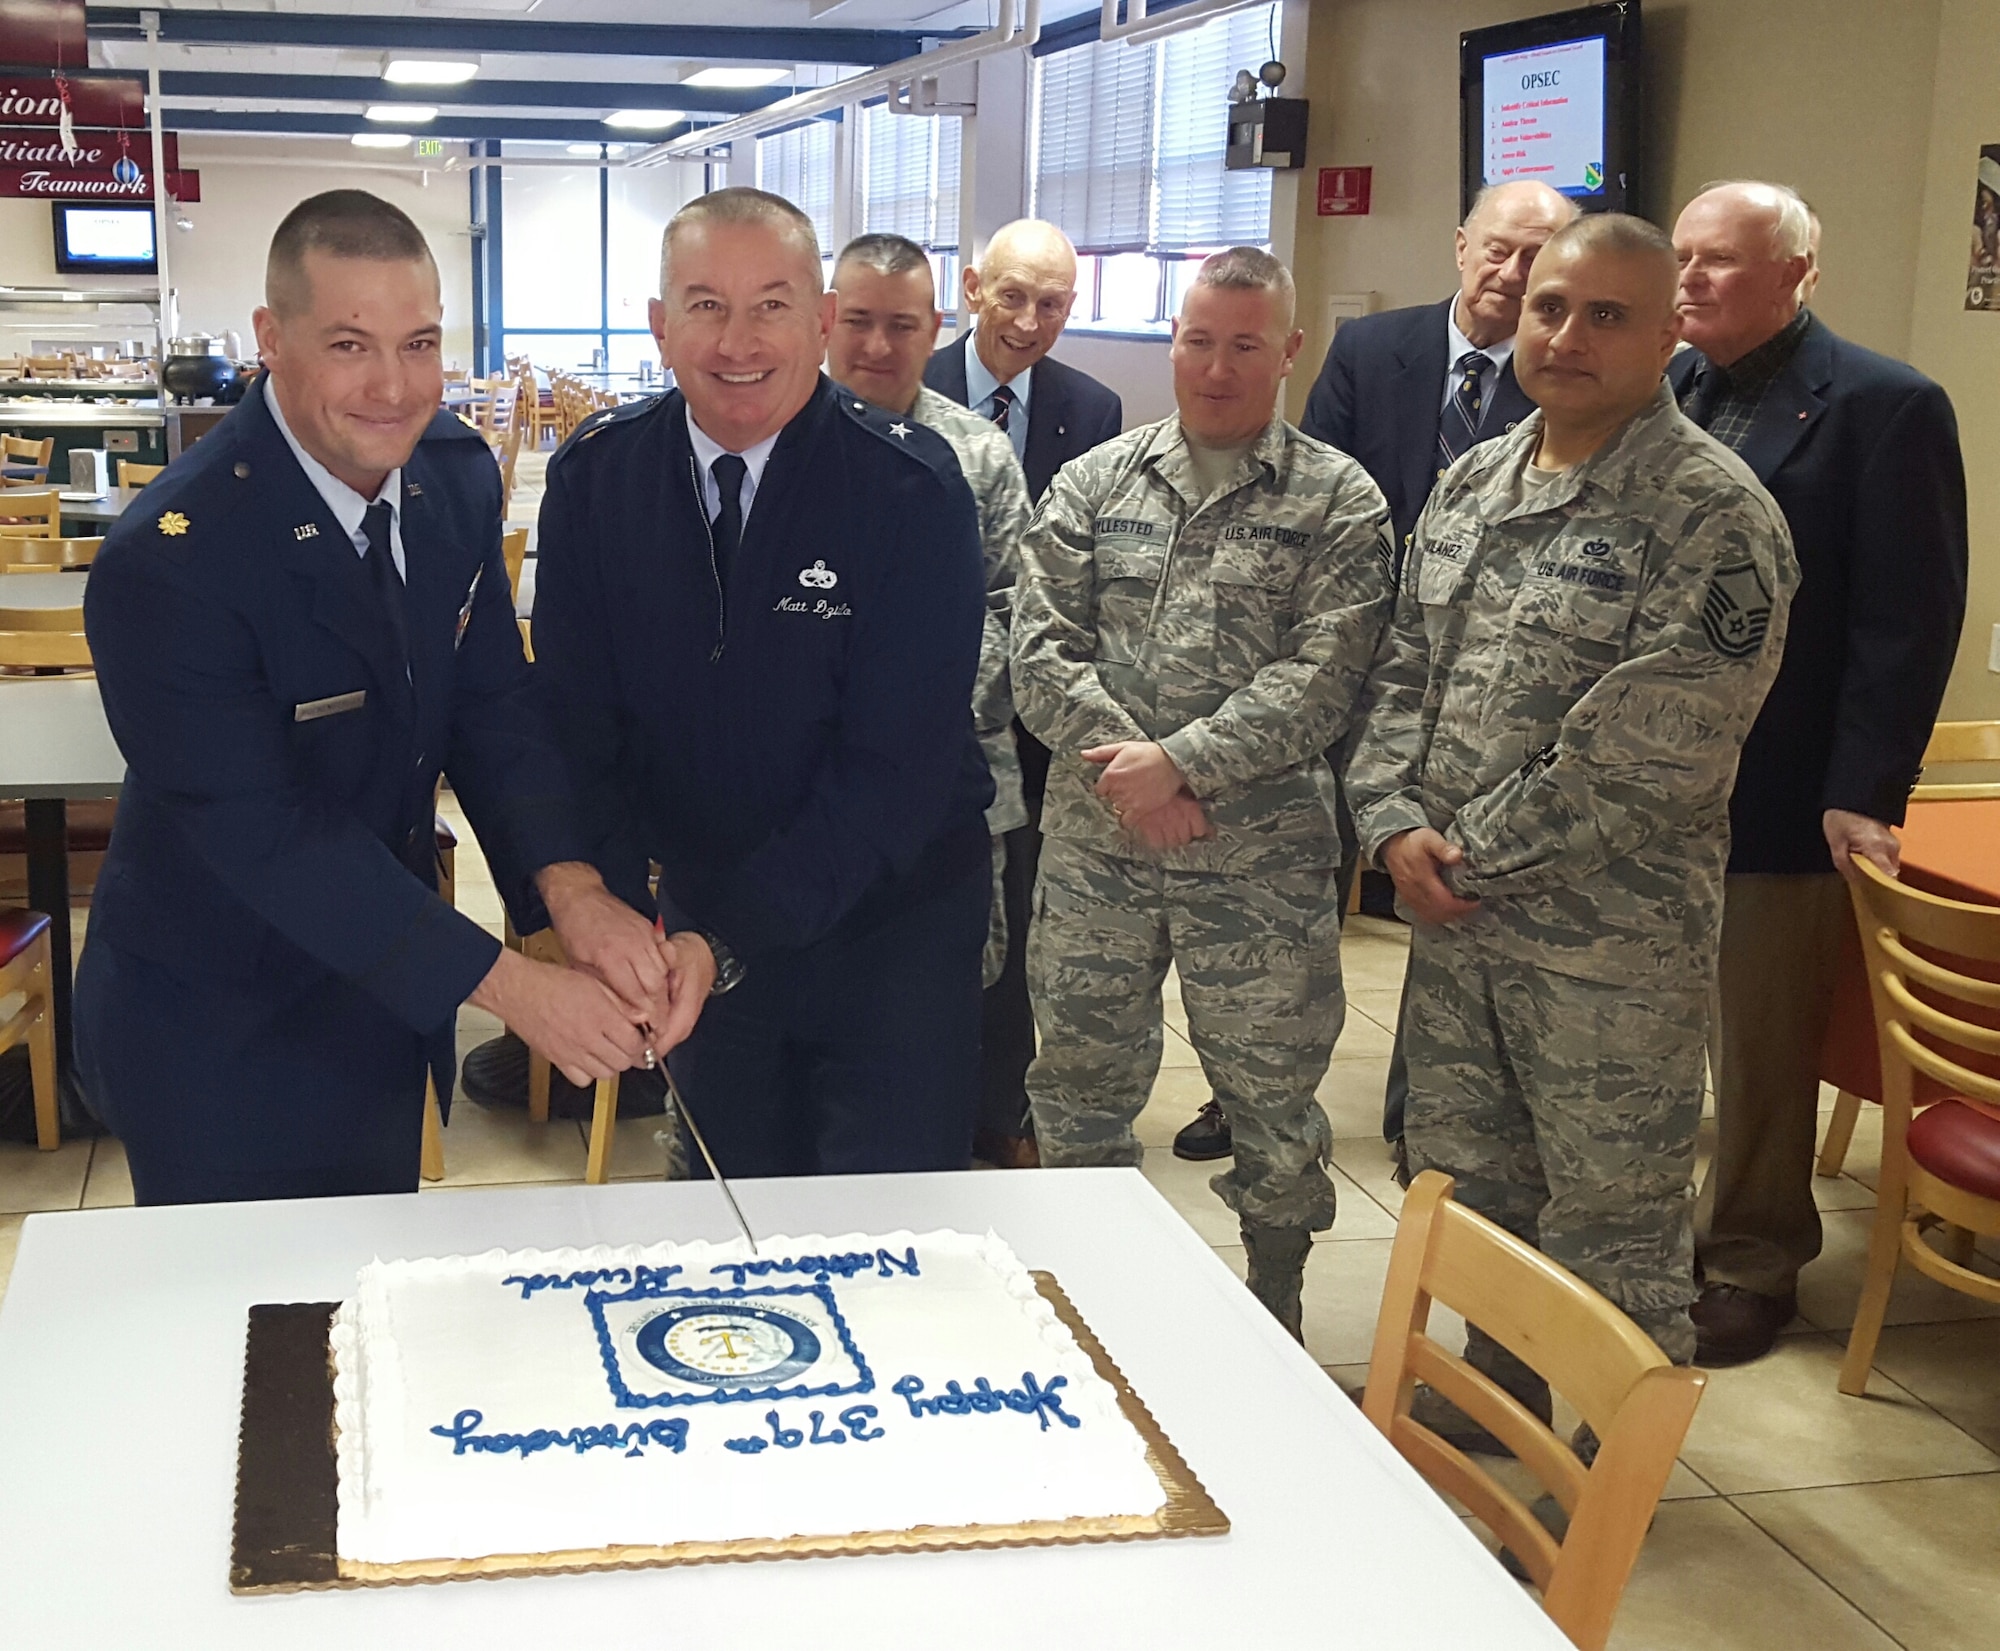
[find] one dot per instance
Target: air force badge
(818, 577)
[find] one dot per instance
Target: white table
(121, 1354)
(55, 745)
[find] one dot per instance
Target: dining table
(96, 511)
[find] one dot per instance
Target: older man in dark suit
(1406, 392)
(1861, 452)
(1020, 293)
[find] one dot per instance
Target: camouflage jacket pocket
(1128, 584)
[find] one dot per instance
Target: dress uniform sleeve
(1384, 777)
(185, 693)
(1905, 604)
(1003, 519)
(1653, 744)
(1304, 699)
(885, 787)
(1056, 689)
(501, 762)
(581, 694)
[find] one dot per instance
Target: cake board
(287, 1483)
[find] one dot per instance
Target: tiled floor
(1797, 1517)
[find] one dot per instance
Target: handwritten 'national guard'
(1589, 618)
(1199, 603)
(885, 326)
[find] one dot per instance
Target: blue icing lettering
(823, 1267)
(529, 1283)
(1031, 1398)
(856, 1418)
(633, 1438)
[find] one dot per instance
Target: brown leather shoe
(1733, 1325)
(1006, 1151)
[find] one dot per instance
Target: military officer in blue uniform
(301, 626)
(758, 612)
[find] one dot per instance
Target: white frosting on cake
(589, 1404)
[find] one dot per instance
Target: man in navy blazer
(1406, 392)
(297, 630)
(1861, 453)
(1020, 294)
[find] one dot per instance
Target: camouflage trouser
(1566, 1112)
(994, 959)
(1259, 962)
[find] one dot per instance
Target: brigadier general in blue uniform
(758, 614)
(304, 623)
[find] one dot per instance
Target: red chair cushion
(89, 826)
(18, 931)
(1959, 1144)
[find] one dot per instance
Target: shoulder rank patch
(1736, 613)
(173, 524)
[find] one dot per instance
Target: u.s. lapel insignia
(465, 613)
(306, 530)
(173, 524)
(412, 490)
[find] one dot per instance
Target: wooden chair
(509, 456)
(27, 555)
(43, 639)
(23, 450)
(1637, 1403)
(137, 475)
(514, 551)
(1941, 1164)
(31, 515)
(25, 968)
(1952, 744)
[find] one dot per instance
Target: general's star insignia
(173, 524)
(900, 431)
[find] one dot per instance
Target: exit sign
(430, 146)
(1343, 191)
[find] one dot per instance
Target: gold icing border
(1188, 1511)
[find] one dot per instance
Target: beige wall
(1958, 348)
(1874, 109)
(217, 267)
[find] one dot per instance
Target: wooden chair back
(45, 650)
(1956, 743)
(1638, 1404)
(30, 514)
(28, 973)
(1934, 980)
(24, 450)
(137, 475)
(31, 555)
(514, 551)
(67, 620)
(510, 457)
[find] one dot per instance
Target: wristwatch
(728, 968)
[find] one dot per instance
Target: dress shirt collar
(979, 387)
(348, 506)
(1457, 344)
(707, 450)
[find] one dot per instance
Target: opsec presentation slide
(1545, 116)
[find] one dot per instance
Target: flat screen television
(104, 240)
(1554, 98)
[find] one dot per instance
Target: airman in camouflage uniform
(1220, 607)
(884, 293)
(1576, 657)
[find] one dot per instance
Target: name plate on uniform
(312, 710)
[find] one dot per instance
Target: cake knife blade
(694, 1129)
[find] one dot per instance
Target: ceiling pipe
(1138, 29)
(1011, 30)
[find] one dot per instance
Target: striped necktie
(1458, 429)
(1003, 405)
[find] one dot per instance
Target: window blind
(950, 147)
(1095, 122)
(896, 185)
(1201, 203)
(798, 164)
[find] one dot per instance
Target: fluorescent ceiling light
(381, 140)
(417, 112)
(645, 120)
(611, 151)
(735, 77)
(427, 71)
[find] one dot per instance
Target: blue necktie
(380, 566)
(728, 471)
(1458, 429)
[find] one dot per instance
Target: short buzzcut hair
(1250, 269)
(342, 223)
(884, 254)
(1624, 236)
(1792, 233)
(742, 205)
